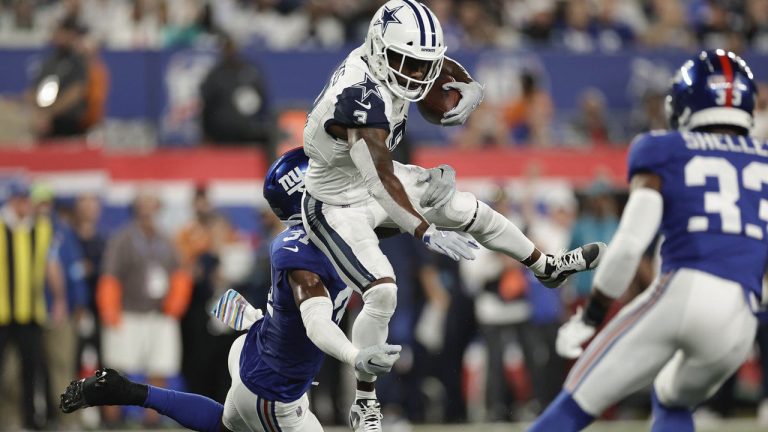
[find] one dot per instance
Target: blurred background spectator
(87, 213)
(598, 221)
(59, 91)
(26, 264)
(142, 291)
(235, 104)
(529, 116)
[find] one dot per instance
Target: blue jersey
(278, 361)
(715, 191)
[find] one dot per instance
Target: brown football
(438, 101)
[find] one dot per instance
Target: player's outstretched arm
(639, 224)
(371, 156)
(471, 93)
(317, 314)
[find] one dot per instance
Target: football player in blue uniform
(273, 365)
(704, 185)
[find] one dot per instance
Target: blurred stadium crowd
(578, 25)
(231, 99)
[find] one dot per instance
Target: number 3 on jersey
(724, 201)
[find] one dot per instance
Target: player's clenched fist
(377, 359)
(449, 243)
(572, 335)
(471, 96)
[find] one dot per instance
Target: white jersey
(352, 98)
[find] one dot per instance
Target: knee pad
(461, 208)
(380, 300)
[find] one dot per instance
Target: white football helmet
(405, 35)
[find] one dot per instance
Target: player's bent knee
(461, 208)
(381, 300)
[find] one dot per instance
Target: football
(438, 101)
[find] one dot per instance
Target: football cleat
(105, 387)
(563, 264)
(365, 415)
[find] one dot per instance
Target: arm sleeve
(638, 227)
(316, 313)
(363, 160)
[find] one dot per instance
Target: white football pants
(247, 412)
(686, 334)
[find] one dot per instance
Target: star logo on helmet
(388, 17)
(369, 87)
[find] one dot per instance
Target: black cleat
(105, 387)
(563, 264)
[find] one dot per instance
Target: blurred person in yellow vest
(66, 270)
(25, 263)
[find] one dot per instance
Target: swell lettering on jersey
(293, 181)
(725, 143)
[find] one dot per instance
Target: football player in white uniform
(353, 186)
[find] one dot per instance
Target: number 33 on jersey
(715, 190)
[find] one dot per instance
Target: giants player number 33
(703, 186)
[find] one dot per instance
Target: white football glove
(449, 243)
(235, 312)
(442, 185)
(471, 96)
(377, 359)
(572, 335)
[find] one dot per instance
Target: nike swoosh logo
(370, 362)
(366, 106)
(292, 249)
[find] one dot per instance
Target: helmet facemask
(402, 66)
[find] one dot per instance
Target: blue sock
(191, 410)
(666, 419)
(562, 415)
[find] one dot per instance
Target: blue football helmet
(714, 88)
(284, 184)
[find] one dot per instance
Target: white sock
(540, 266)
(359, 394)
